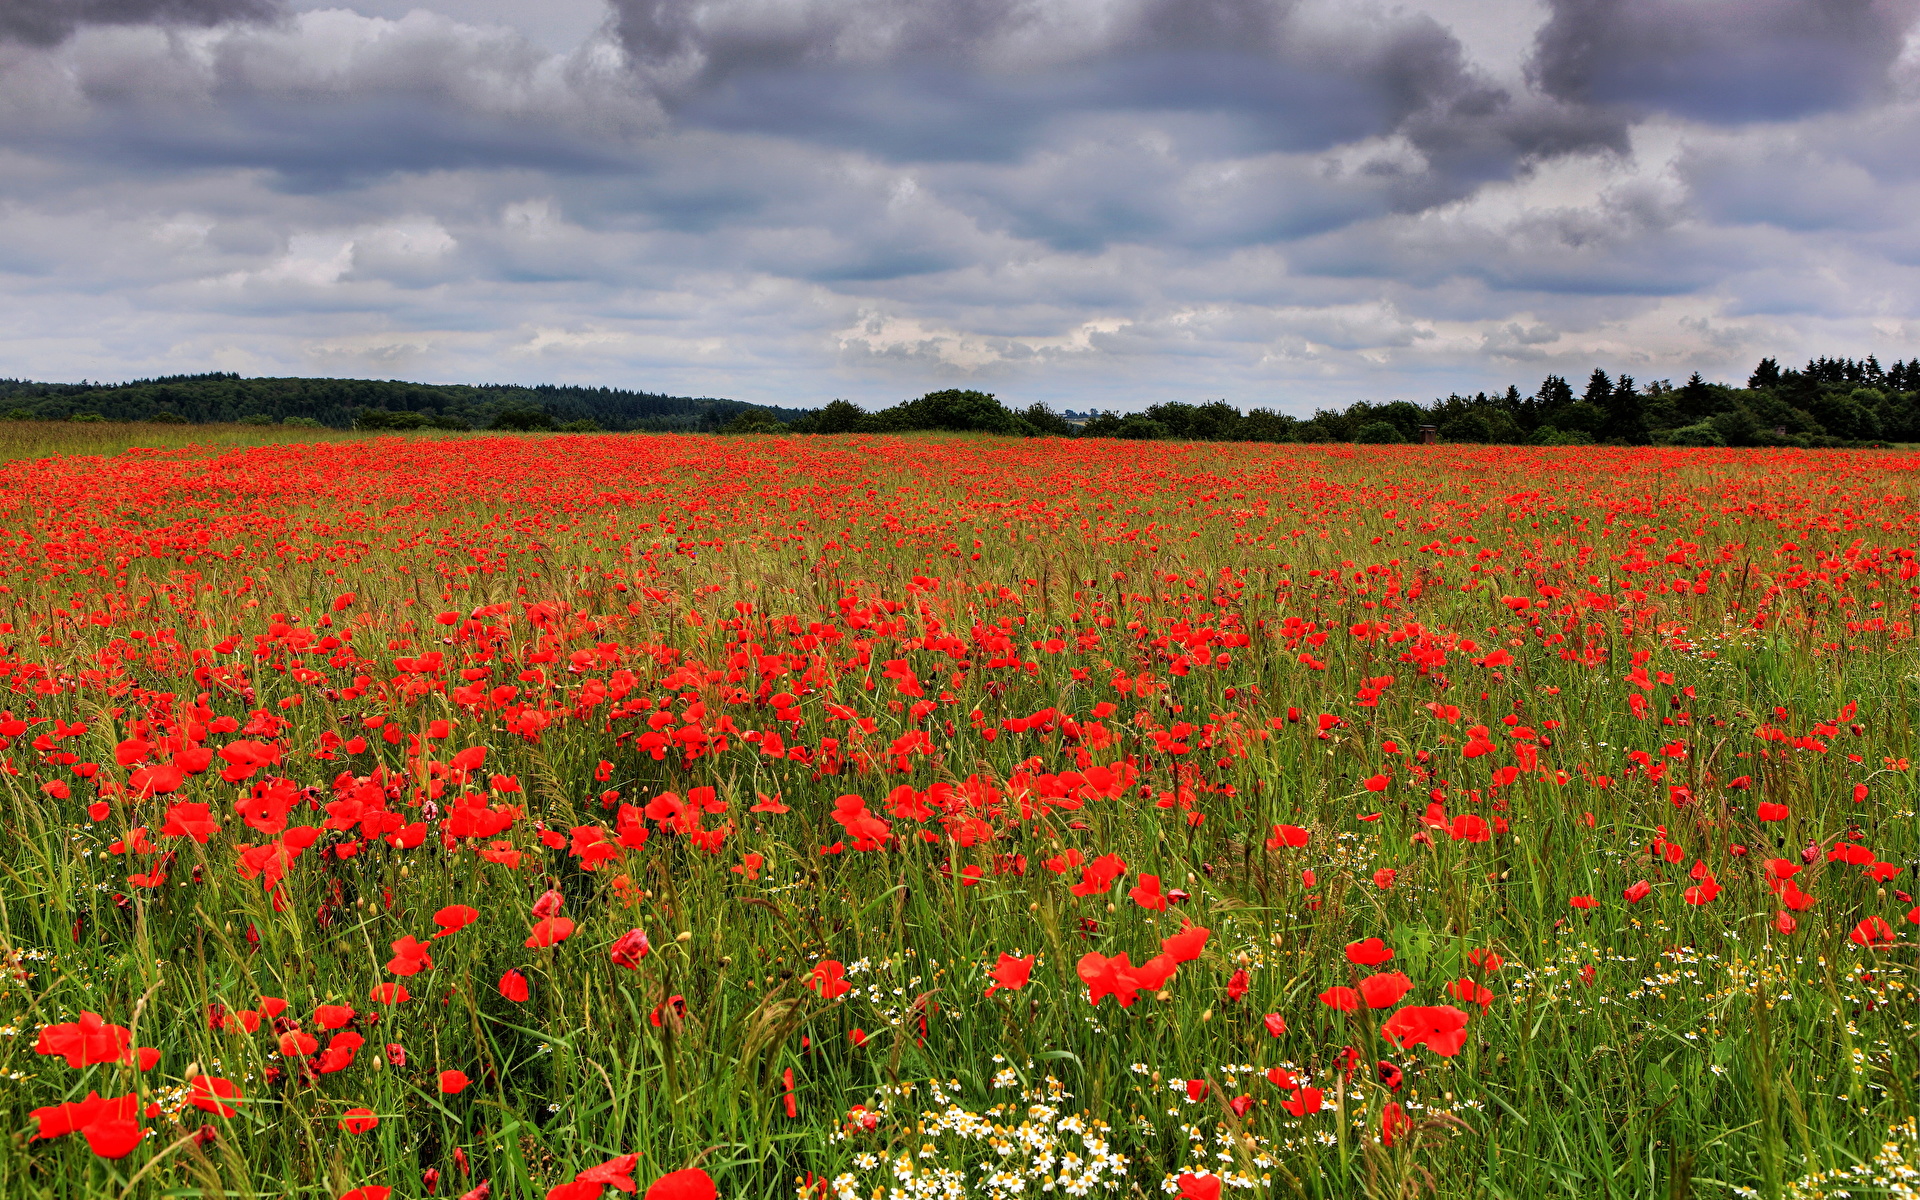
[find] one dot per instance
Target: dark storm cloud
(989, 80)
(1721, 61)
(49, 22)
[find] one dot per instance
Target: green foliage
(85, 417)
(1379, 433)
(953, 410)
(1046, 422)
(222, 397)
(524, 420)
(1702, 433)
(755, 420)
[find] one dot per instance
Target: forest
(370, 404)
(1830, 402)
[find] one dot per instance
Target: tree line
(1829, 402)
(370, 404)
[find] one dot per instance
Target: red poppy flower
(390, 993)
(1238, 985)
(1467, 827)
(85, 1042)
(339, 1054)
(1584, 902)
(1186, 945)
(691, 1184)
(1442, 1027)
(1394, 1123)
(1147, 895)
(1010, 973)
(452, 1083)
(1370, 952)
(1280, 1077)
(1702, 892)
(1874, 931)
(1341, 999)
(629, 948)
(359, 1120)
(297, 1043)
(332, 1016)
(453, 918)
(1275, 1023)
(410, 957)
(1199, 1187)
(1772, 812)
(190, 820)
(113, 1139)
(1287, 836)
(1637, 891)
(828, 978)
(550, 931)
(1384, 990)
(1304, 1102)
(58, 1120)
(372, 1191)
(513, 985)
(1467, 991)
(1108, 977)
(209, 1094)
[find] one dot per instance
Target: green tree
(519, 420)
(1047, 422)
(1379, 433)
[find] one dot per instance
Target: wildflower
(1370, 952)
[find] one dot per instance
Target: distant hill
(223, 397)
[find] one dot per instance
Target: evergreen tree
(1599, 389)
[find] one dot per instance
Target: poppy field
(918, 818)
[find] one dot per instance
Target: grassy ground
(891, 747)
(54, 439)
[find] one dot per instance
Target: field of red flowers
(916, 819)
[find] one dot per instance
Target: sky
(1097, 204)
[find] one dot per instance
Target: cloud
(49, 22)
(1721, 61)
(1099, 203)
(992, 80)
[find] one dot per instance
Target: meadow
(917, 818)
